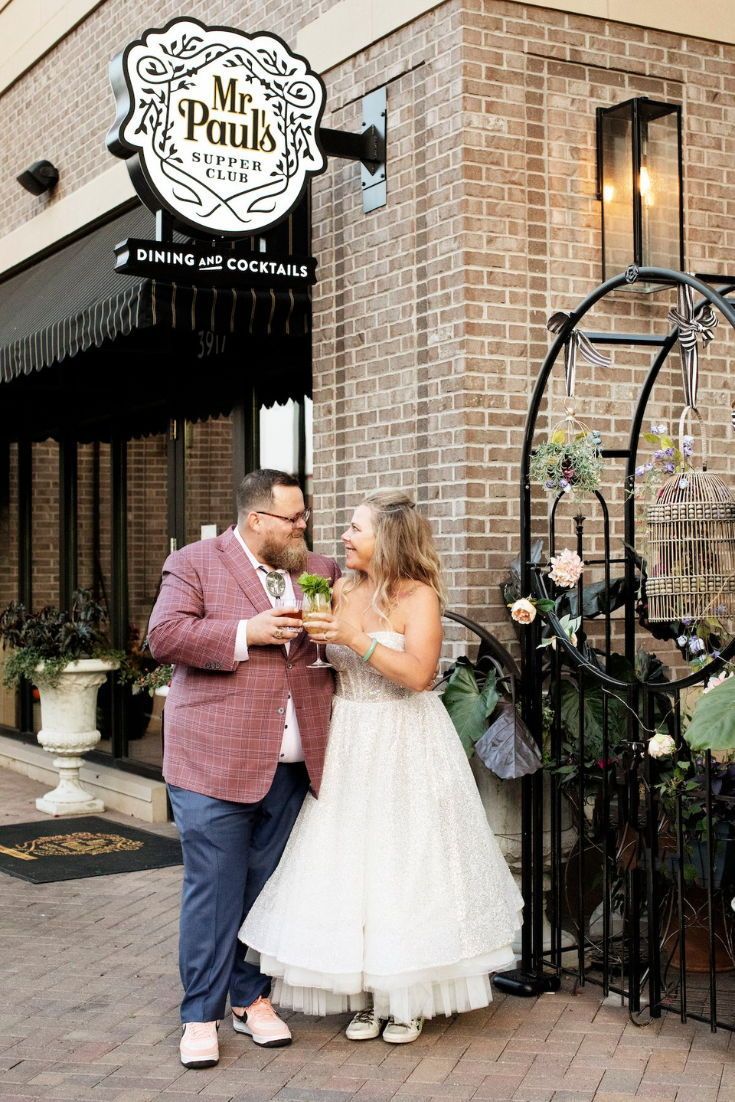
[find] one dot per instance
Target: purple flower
(681, 640)
(669, 468)
(696, 645)
(668, 451)
(640, 471)
(549, 484)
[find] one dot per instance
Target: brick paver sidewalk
(89, 1011)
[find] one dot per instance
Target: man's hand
(277, 625)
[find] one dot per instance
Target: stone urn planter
(68, 730)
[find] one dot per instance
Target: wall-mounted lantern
(639, 182)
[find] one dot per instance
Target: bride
(392, 897)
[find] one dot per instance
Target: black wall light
(41, 176)
(639, 182)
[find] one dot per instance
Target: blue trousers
(230, 850)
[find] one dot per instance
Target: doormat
(71, 849)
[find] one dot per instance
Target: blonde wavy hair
(404, 551)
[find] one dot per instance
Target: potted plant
(66, 654)
(141, 675)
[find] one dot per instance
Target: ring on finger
(278, 633)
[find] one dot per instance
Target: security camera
(40, 177)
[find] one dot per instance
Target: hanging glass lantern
(639, 182)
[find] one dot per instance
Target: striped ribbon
(577, 343)
(691, 327)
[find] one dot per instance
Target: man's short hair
(256, 489)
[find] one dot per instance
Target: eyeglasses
(290, 520)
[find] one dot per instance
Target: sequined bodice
(356, 680)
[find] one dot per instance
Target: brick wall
(430, 313)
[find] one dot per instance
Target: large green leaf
(712, 726)
(593, 716)
(468, 707)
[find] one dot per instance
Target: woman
(392, 897)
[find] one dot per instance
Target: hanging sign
(220, 128)
(218, 266)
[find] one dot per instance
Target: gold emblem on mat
(81, 843)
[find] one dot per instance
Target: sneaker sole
(200, 1063)
(280, 1042)
(401, 1040)
(361, 1036)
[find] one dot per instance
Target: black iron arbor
(631, 885)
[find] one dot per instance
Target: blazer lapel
(242, 570)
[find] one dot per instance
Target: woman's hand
(332, 629)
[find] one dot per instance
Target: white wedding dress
(392, 885)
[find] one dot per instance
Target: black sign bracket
(368, 147)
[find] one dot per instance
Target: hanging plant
(570, 462)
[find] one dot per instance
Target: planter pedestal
(69, 797)
(68, 716)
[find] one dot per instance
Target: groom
(246, 733)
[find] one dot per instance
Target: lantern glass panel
(660, 192)
(617, 189)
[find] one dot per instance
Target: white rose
(523, 610)
(661, 746)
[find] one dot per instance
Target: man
(246, 733)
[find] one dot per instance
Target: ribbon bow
(691, 327)
(576, 343)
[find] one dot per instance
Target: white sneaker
(198, 1047)
(365, 1026)
(401, 1033)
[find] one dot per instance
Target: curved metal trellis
(632, 952)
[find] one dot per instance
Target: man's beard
(290, 557)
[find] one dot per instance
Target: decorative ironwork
(651, 854)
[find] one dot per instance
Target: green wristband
(369, 652)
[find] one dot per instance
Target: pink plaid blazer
(224, 719)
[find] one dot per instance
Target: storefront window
(94, 545)
(9, 558)
(148, 546)
(209, 491)
(286, 441)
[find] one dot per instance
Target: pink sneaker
(260, 1021)
(199, 1047)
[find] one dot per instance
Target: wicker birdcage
(691, 546)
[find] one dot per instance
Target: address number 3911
(210, 344)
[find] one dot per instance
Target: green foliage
(470, 696)
(568, 465)
(149, 681)
(712, 726)
(52, 638)
(315, 585)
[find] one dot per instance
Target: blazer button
(280, 711)
(289, 665)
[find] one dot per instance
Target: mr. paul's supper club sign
(219, 128)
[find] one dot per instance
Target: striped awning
(73, 300)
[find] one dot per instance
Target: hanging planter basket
(691, 545)
(570, 461)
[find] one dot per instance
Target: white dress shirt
(291, 748)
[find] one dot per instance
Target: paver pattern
(89, 997)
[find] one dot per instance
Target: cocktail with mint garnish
(317, 600)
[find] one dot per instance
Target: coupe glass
(313, 607)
